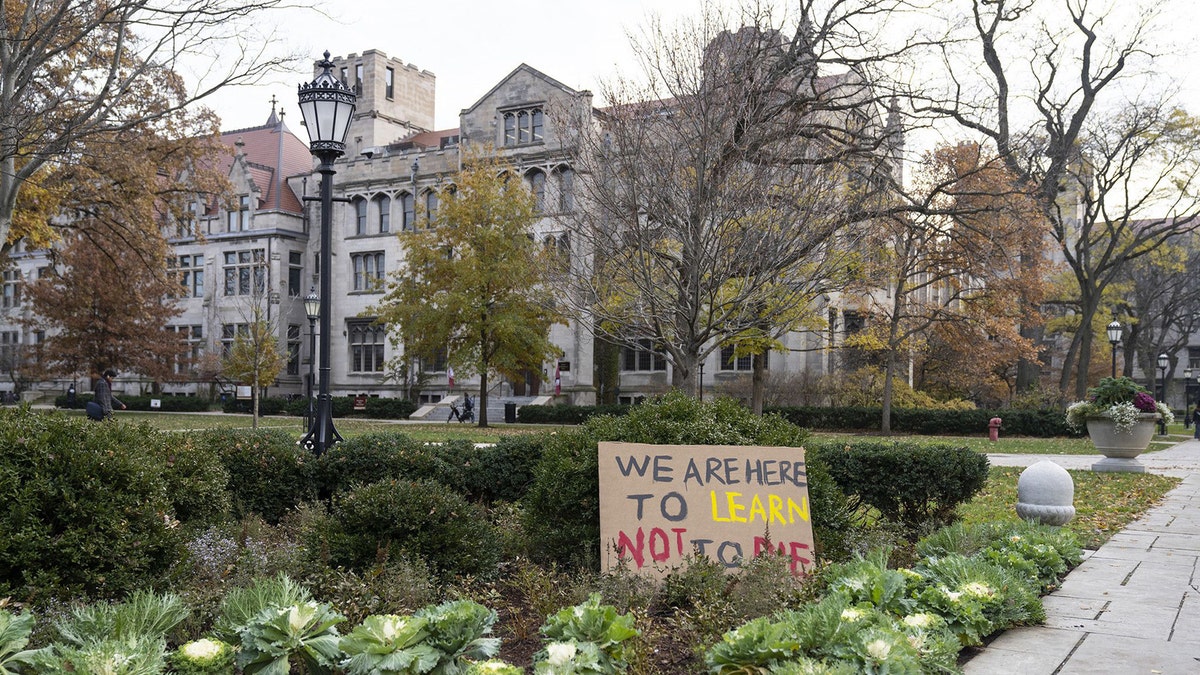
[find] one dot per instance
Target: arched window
(383, 208)
(537, 185)
(523, 127)
(566, 190)
(431, 205)
(560, 245)
(510, 129)
(408, 212)
(360, 215)
(535, 121)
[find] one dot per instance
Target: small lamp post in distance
(1114, 338)
(1163, 362)
(312, 307)
(1188, 374)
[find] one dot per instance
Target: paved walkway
(1131, 607)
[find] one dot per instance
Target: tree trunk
(482, 404)
(758, 383)
(683, 377)
(885, 423)
(254, 399)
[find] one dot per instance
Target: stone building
(260, 248)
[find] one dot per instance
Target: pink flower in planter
(1144, 402)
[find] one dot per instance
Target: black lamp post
(327, 106)
(1163, 362)
(1188, 374)
(1114, 338)
(312, 307)
(701, 381)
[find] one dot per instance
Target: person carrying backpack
(101, 407)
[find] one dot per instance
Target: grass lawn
(346, 426)
(1019, 445)
(1104, 502)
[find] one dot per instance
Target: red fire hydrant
(994, 429)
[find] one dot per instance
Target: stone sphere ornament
(1046, 494)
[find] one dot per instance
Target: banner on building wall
(660, 504)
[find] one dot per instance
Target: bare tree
(950, 265)
(1048, 97)
(72, 71)
(734, 184)
(1159, 294)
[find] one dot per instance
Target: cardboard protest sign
(662, 503)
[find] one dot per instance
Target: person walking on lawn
(104, 396)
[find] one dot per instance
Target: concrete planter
(1121, 448)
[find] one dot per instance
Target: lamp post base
(322, 435)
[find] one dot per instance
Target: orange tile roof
(429, 139)
(273, 153)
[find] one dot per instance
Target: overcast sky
(468, 44)
(471, 44)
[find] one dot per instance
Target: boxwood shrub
(269, 474)
(1016, 422)
(566, 414)
(373, 457)
(166, 403)
(86, 510)
(394, 518)
(197, 482)
(500, 472)
(504, 471)
(343, 406)
(911, 484)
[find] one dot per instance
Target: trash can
(510, 413)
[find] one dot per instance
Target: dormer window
(523, 126)
(239, 219)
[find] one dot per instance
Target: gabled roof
(271, 154)
(524, 67)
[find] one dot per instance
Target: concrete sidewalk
(1131, 607)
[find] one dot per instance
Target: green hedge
(269, 474)
(915, 485)
(566, 414)
(86, 509)
(168, 403)
(500, 472)
(343, 406)
(1039, 423)
(394, 518)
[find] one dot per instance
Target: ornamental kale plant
(494, 667)
(457, 631)
(389, 645)
(242, 605)
(868, 580)
(306, 632)
(976, 597)
(591, 623)
(14, 635)
(203, 657)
